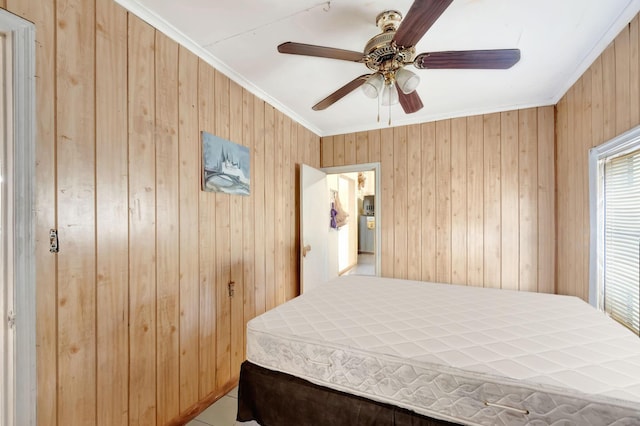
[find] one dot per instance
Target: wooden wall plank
(585, 127)
(269, 205)
(112, 215)
(248, 213)
(546, 201)
(414, 203)
(459, 201)
(622, 98)
(327, 151)
(167, 236)
(315, 147)
(339, 150)
(362, 148)
(573, 227)
(562, 197)
(350, 148)
(311, 153)
(428, 193)
(609, 87)
(387, 200)
(223, 245)
(237, 225)
(290, 132)
(142, 229)
(303, 146)
(207, 246)
(278, 219)
(492, 201)
(258, 188)
(373, 136)
(475, 201)
(510, 200)
(577, 131)
(75, 153)
(597, 113)
(443, 201)
(189, 178)
(528, 174)
(634, 71)
(42, 14)
(308, 155)
(400, 225)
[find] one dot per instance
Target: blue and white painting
(225, 166)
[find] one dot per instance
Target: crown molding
(178, 36)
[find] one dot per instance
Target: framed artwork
(225, 166)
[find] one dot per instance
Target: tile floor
(365, 266)
(221, 413)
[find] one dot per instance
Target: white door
(314, 228)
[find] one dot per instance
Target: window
(615, 228)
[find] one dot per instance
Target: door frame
(22, 45)
(365, 167)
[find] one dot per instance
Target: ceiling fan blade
(341, 92)
(320, 51)
(410, 102)
(419, 18)
(469, 59)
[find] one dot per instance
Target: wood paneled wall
(602, 104)
(135, 325)
(466, 200)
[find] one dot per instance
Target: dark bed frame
(277, 399)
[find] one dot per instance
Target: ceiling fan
(387, 54)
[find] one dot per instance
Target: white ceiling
(558, 39)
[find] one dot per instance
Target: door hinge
(11, 319)
(231, 287)
(53, 241)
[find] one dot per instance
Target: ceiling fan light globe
(407, 81)
(373, 86)
(389, 95)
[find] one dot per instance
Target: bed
(369, 350)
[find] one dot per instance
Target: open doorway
(356, 244)
(357, 189)
(320, 235)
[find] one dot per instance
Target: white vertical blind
(622, 239)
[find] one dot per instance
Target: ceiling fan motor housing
(380, 53)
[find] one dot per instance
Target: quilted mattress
(475, 356)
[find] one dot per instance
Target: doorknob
(306, 249)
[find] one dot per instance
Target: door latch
(53, 241)
(11, 319)
(231, 287)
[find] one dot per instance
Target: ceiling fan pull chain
(389, 114)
